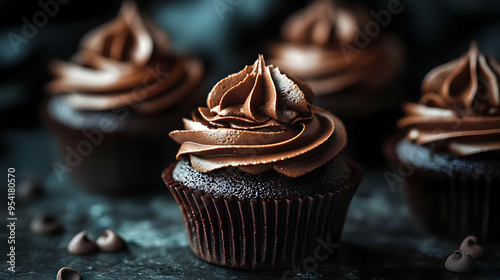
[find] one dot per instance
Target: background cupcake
(322, 47)
(259, 178)
(451, 148)
(113, 104)
(339, 49)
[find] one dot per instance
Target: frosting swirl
(125, 62)
(318, 44)
(258, 120)
(460, 106)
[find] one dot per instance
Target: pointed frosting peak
(467, 85)
(259, 120)
(259, 95)
(460, 106)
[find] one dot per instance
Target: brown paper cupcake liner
(261, 233)
(456, 205)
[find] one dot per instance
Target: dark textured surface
(380, 240)
(231, 181)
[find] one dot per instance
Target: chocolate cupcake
(259, 177)
(326, 45)
(451, 149)
(114, 103)
(340, 51)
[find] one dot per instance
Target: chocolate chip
(44, 223)
(471, 246)
(460, 262)
(67, 273)
(81, 245)
(110, 242)
(29, 189)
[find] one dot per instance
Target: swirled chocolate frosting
(258, 120)
(126, 62)
(322, 48)
(460, 106)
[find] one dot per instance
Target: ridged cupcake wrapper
(261, 233)
(456, 205)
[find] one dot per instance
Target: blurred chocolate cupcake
(113, 104)
(353, 68)
(327, 46)
(259, 178)
(450, 149)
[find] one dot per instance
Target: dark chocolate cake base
(230, 181)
